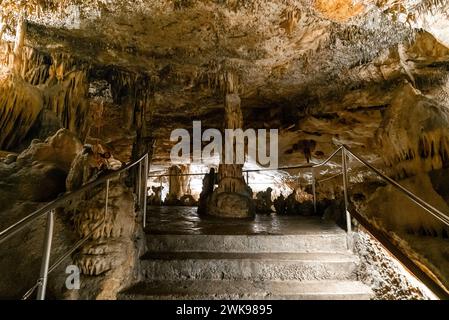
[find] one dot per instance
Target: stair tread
(249, 289)
(248, 243)
(302, 232)
(276, 256)
(254, 236)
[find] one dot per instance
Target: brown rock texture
(123, 74)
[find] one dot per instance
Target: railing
(50, 208)
(410, 195)
(345, 153)
(141, 190)
(419, 270)
(301, 166)
(416, 268)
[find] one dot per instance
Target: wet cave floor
(186, 220)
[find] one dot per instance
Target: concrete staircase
(312, 264)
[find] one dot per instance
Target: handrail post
(345, 193)
(145, 191)
(314, 190)
(107, 199)
(43, 277)
(139, 185)
(160, 185)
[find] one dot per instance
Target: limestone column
(232, 198)
(230, 175)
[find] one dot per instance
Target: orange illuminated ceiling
(338, 10)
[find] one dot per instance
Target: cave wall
(414, 133)
(28, 180)
(44, 85)
(101, 106)
(58, 90)
(421, 236)
(372, 76)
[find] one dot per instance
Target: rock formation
(208, 186)
(48, 161)
(178, 184)
(370, 74)
(263, 201)
(108, 260)
(28, 181)
(155, 198)
(232, 198)
(416, 140)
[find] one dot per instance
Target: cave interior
(344, 96)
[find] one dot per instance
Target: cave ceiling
(328, 71)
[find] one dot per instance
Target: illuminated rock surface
(370, 74)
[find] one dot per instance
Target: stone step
(310, 242)
(246, 266)
(225, 290)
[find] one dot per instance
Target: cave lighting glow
(258, 181)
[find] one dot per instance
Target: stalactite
(68, 100)
(221, 78)
(20, 105)
(2, 27)
(134, 92)
(414, 135)
(430, 5)
(17, 60)
(59, 82)
(291, 18)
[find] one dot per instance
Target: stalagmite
(107, 259)
(178, 184)
(155, 198)
(263, 201)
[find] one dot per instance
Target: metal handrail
(301, 166)
(343, 148)
(51, 206)
(329, 178)
(49, 210)
(18, 226)
(410, 195)
(58, 262)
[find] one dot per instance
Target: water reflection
(185, 220)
